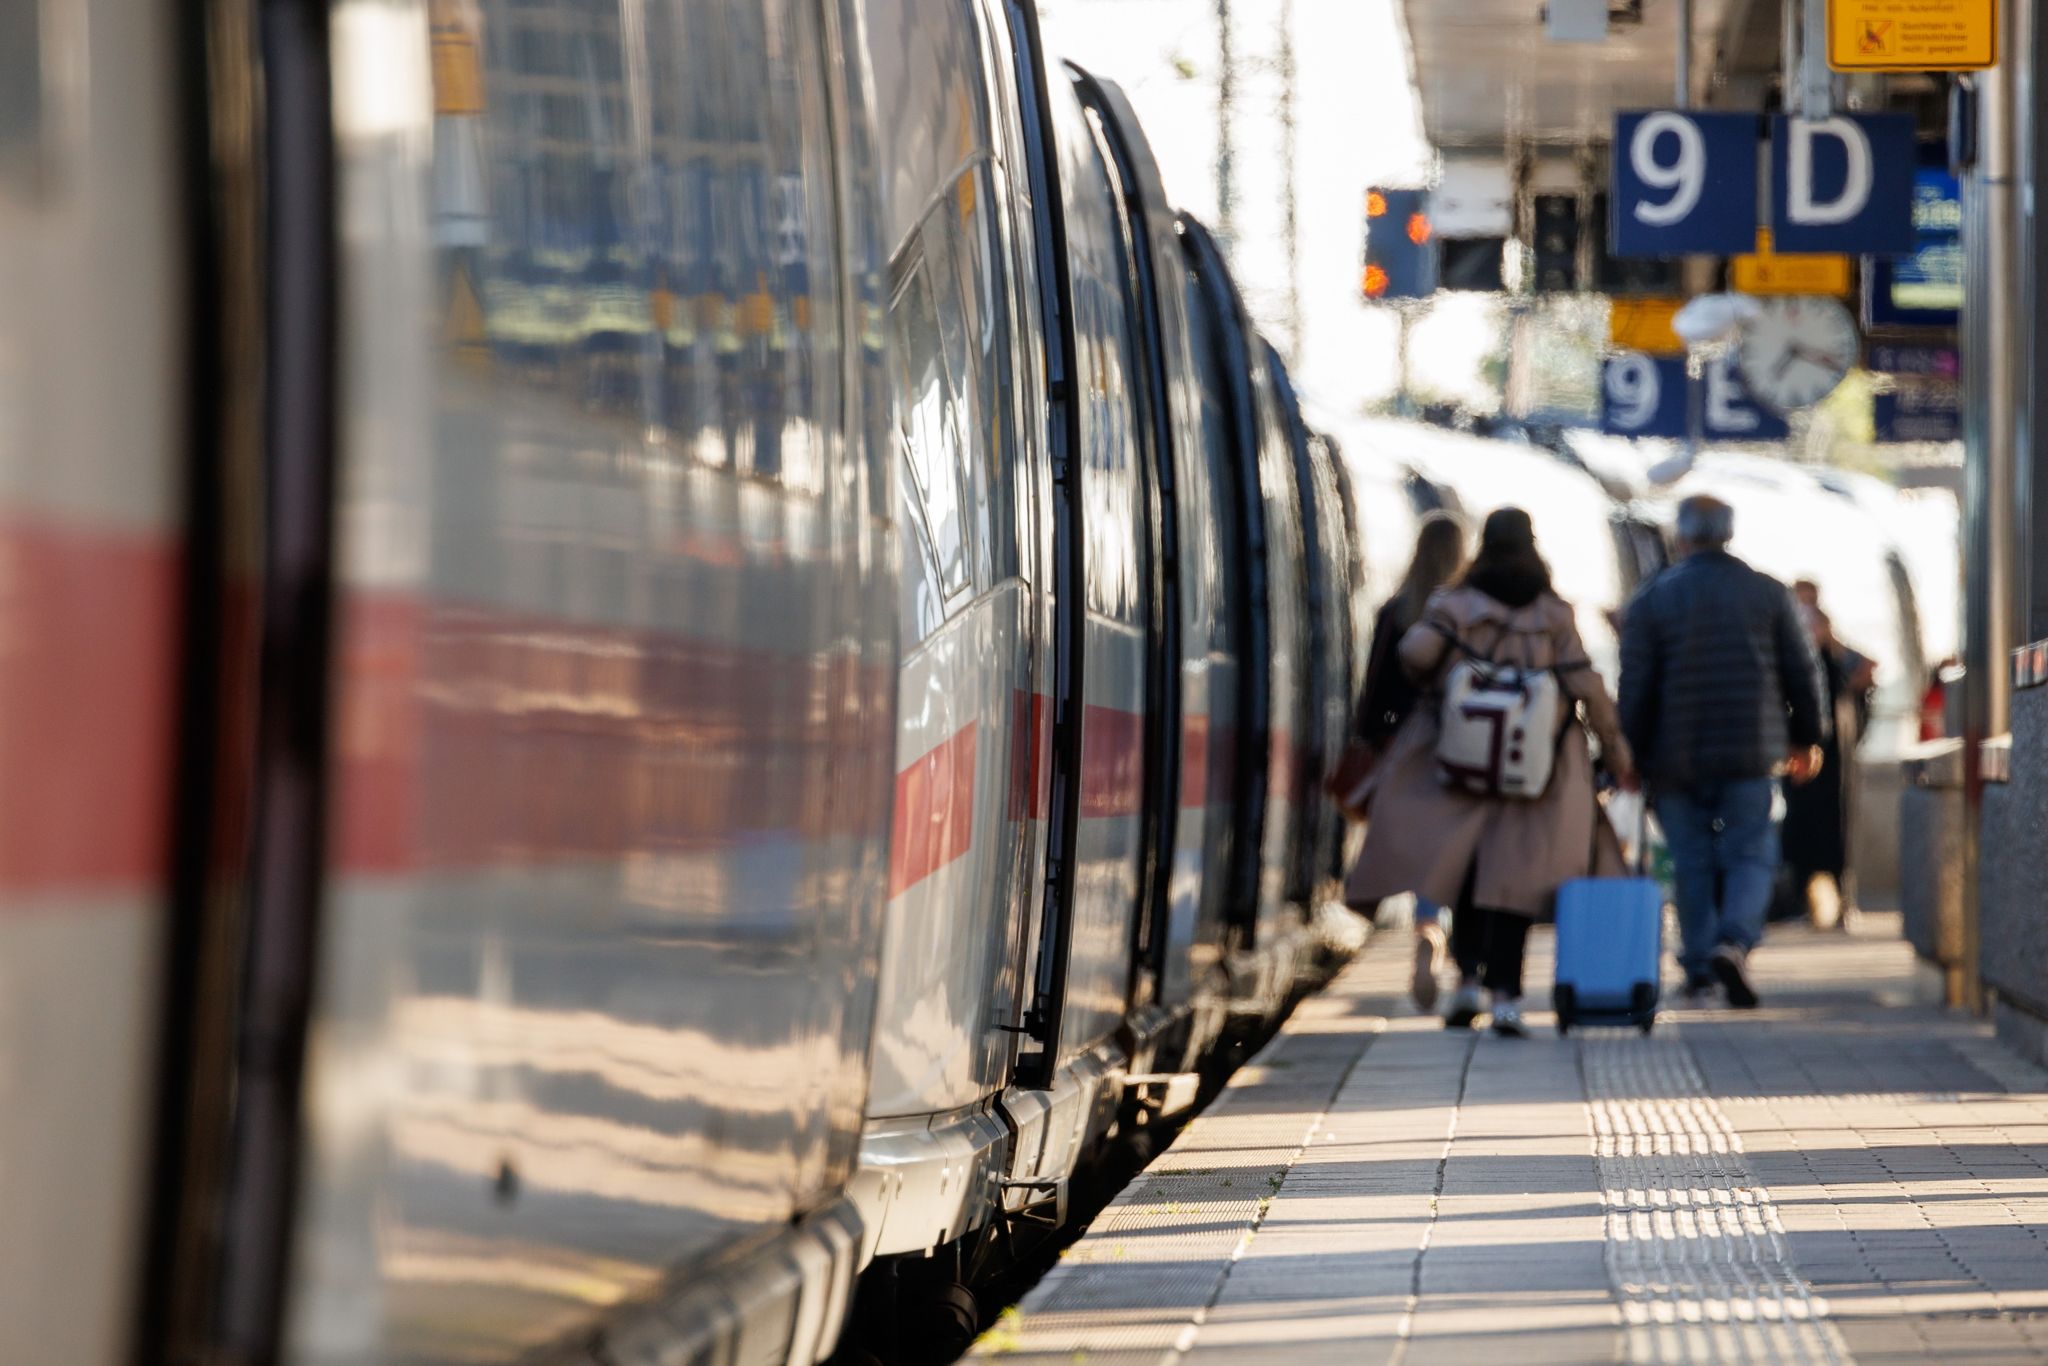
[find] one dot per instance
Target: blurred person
(1818, 879)
(1720, 692)
(1389, 695)
(1496, 860)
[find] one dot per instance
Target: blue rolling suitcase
(1610, 951)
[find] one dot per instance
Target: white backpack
(1500, 728)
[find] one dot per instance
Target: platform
(1842, 1175)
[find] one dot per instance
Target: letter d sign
(1843, 184)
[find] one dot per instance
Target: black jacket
(1389, 693)
(1719, 681)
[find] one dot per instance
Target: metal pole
(1816, 82)
(1788, 38)
(1226, 95)
(1290, 201)
(1684, 72)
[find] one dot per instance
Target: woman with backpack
(1485, 801)
(1389, 696)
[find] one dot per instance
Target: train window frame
(958, 246)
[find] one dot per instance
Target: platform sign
(1843, 184)
(1765, 271)
(1912, 35)
(1920, 411)
(1684, 182)
(1932, 360)
(1729, 413)
(1650, 396)
(1643, 395)
(1925, 287)
(1644, 324)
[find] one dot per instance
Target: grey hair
(1705, 521)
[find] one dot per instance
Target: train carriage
(658, 690)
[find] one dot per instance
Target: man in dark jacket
(1720, 691)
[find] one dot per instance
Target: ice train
(689, 670)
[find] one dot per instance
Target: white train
(690, 665)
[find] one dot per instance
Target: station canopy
(1489, 78)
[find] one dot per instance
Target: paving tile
(1832, 1177)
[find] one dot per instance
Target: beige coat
(1423, 836)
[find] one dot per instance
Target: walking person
(1496, 860)
(1390, 694)
(1818, 881)
(1720, 692)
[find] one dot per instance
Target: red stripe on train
(88, 627)
(934, 811)
(473, 737)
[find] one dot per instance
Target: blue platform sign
(1643, 395)
(1919, 412)
(1683, 182)
(1649, 396)
(1728, 413)
(1843, 184)
(1925, 288)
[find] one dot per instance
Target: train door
(98, 374)
(1291, 732)
(1189, 920)
(1264, 608)
(1118, 528)
(968, 790)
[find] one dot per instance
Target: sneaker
(1699, 995)
(1731, 964)
(1429, 964)
(1507, 1019)
(1466, 1005)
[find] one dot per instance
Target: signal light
(1400, 245)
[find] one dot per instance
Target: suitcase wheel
(1565, 1002)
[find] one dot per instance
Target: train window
(930, 447)
(952, 339)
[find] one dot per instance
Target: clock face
(1796, 351)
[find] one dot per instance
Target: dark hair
(1439, 555)
(1508, 569)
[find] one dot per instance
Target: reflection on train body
(615, 698)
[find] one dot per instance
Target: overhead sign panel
(1843, 184)
(1766, 271)
(1919, 412)
(1924, 288)
(1644, 324)
(1684, 182)
(1912, 35)
(1650, 396)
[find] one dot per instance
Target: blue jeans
(1724, 857)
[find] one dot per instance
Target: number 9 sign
(1684, 182)
(1643, 395)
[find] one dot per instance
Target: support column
(1994, 346)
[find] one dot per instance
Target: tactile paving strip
(1695, 1248)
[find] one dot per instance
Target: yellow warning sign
(1644, 325)
(1766, 272)
(1912, 35)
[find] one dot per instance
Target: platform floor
(1842, 1175)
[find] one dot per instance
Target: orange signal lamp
(1418, 229)
(1375, 204)
(1375, 282)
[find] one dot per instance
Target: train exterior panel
(616, 658)
(93, 539)
(972, 697)
(1197, 620)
